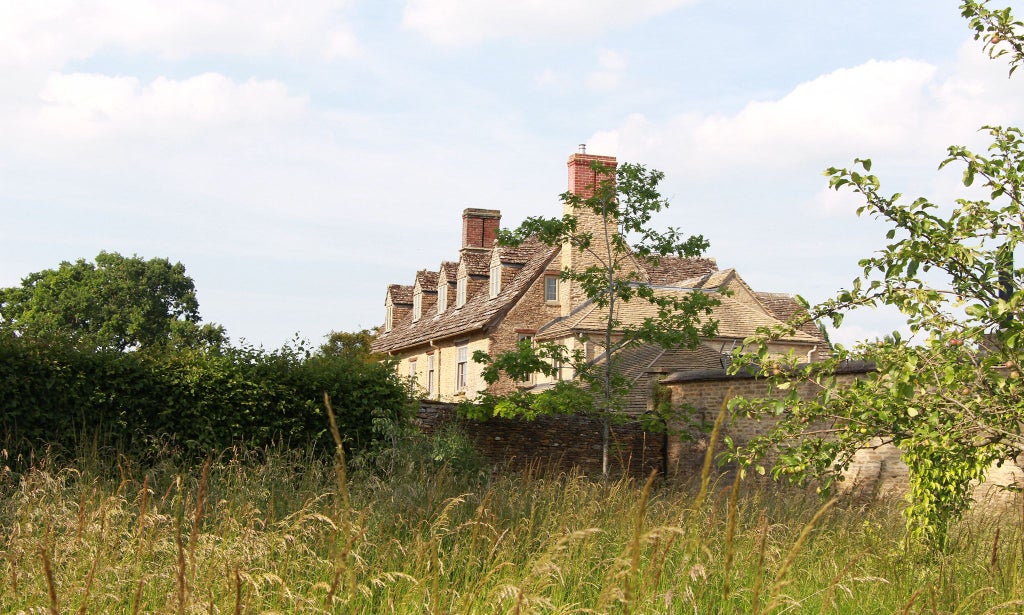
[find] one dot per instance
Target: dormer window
(389, 317)
(442, 297)
(495, 281)
(460, 292)
(417, 305)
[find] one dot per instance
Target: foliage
(951, 396)
(115, 303)
(622, 203)
(53, 393)
(998, 29)
(356, 344)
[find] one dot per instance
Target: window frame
(460, 292)
(442, 298)
(461, 366)
(495, 281)
(430, 375)
(550, 283)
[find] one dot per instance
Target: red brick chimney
(479, 227)
(582, 177)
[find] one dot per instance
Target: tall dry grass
(275, 531)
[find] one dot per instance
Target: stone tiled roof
(478, 262)
(400, 293)
(450, 269)
(427, 280)
(521, 254)
(735, 318)
(784, 307)
(638, 360)
(479, 312)
(712, 280)
(632, 362)
(649, 362)
(672, 269)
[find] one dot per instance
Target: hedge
(199, 400)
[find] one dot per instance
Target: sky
(299, 157)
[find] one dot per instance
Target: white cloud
(464, 22)
(829, 203)
(88, 106)
(49, 33)
(608, 76)
(547, 77)
(893, 109)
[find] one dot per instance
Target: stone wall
(706, 391)
(876, 470)
(560, 442)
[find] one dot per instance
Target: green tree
(354, 344)
(610, 229)
(951, 396)
(117, 303)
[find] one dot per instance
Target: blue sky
(298, 157)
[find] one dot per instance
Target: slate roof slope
(645, 363)
(735, 318)
(636, 361)
(479, 312)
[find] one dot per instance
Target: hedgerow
(198, 400)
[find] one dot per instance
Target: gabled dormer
(446, 285)
(473, 275)
(424, 294)
(397, 305)
(506, 262)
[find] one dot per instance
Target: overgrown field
(283, 532)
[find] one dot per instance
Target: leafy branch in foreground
(951, 396)
(998, 29)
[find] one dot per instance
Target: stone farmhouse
(491, 297)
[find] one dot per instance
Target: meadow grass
(285, 532)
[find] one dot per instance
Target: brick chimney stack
(581, 183)
(582, 177)
(479, 228)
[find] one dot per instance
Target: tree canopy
(354, 344)
(116, 302)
